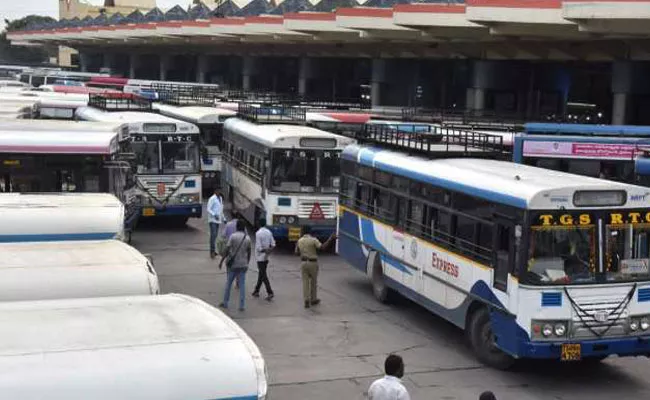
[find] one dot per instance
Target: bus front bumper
(293, 233)
(185, 210)
(623, 347)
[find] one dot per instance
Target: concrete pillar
(304, 74)
(83, 62)
(165, 60)
(248, 68)
(134, 64)
(622, 80)
(376, 81)
(201, 68)
(475, 99)
(109, 62)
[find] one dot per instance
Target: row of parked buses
(530, 262)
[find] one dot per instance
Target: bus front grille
(308, 209)
(599, 319)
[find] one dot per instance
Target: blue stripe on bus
(367, 156)
(368, 236)
(52, 237)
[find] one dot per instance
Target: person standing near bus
(264, 244)
(215, 218)
(390, 387)
(307, 248)
(237, 256)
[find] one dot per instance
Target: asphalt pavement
(335, 350)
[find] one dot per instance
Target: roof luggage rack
(340, 128)
(119, 102)
(335, 104)
(272, 114)
(187, 95)
(438, 143)
(467, 119)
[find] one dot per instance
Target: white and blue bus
(210, 122)
(166, 150)
(531, 263)
(288, 174)
(615, 152)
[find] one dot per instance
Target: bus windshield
(305, 170)
(180, 158)
(147, 158)
(564, 249)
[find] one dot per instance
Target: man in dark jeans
(264, 244)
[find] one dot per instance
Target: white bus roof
(199, 115)
(58, 200)
(133, 117)
(73, 269)
(34, 137)
(143, 347)
(281, 136)
(505, 182)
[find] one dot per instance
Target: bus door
(504, 252)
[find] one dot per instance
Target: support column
(377, 80)
(248, 67)
(134, 63)
(109, 62)
(164, 66)
(476, 93)
(304, 74)
(83, 62)
(201, 68)
(622, 77)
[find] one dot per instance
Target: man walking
(264, 244)
(215, 218)
(307, 248)
(390, 387)
(237, 257)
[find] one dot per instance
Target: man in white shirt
(264, 244)
(390, 387)
(215, 218)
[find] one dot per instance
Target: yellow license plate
(148, 212)
(571, 352)
(294, 234)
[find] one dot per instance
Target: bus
(47, 217)
(143, 347)
(38, 77)
(167, 167)
(210, 122)
(288, 174)
(10, 111)
(614, 152)
(531, 263)
(74, 269)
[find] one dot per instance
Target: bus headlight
(291, 220)
(188, 198)
(644, 324)
(559, 330)
(547, 330)
(283, 220)
(634, 325)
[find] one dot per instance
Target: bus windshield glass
(564, 248)
(305, 170)
(147, 158)
(180, 158)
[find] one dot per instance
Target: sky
(13, 9)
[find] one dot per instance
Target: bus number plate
(571, 352)
(148, 211)
(294, 233)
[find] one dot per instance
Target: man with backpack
(237, 256)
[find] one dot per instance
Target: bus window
(362, 197)
(415, 218)
(584, 167)
(294, 170)
(330, 170)
(147, 157)
(627, 252)
(504, 253)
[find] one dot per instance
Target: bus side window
(362, 197)
(415, 218)
(504, 246)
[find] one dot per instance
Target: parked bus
(74, 269)
(288, 174)
(60, 216)
(142, 347)
(16, 111)
(612, 152)
(38, 77)
(167, 173)
(531, 263)
(210, 122)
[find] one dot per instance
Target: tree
(23, 54)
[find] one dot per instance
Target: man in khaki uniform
(307, 248)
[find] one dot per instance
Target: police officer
(307, 248)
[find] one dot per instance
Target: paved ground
(335, 350)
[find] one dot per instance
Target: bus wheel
(379, 288)
(482, 340)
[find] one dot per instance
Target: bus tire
(482, 341)
(379, 288)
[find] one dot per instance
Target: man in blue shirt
(215, 218)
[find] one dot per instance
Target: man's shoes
(255, 294)
(242, 309)
(315, 302)
(307, 305)
(223, 305)
(270, 297)
(213, 255)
